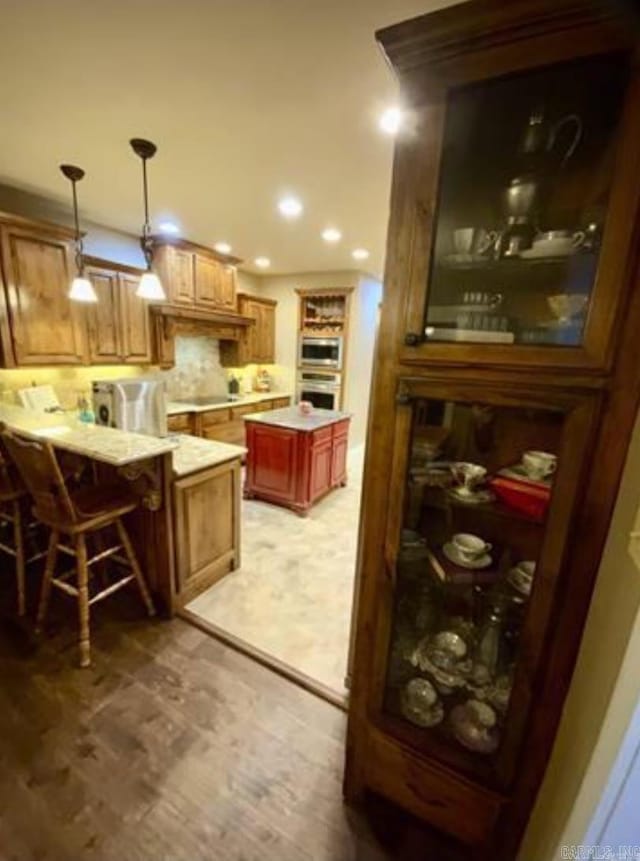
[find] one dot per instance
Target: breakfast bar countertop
(292, 418)
(194, 454)
(64, 431)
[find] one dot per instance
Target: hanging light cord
(79, 244)
(146, 227)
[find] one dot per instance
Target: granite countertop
(291, 417)
(64, 431)
(194, 454)
(174, 408)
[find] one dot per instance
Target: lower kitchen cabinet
(223, 425)
(293, 467)
(207, 528)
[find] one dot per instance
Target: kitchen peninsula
(293, 458)
(186, 530)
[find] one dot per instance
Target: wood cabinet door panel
(103, 318)
(225, 288)
(136, 329)
(181, 286)
(272, 467)
(207, 527)
(320, 473)
(232, 432)
(46, 326)
(339, 460)
(206, 281)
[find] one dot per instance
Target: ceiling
(246, 100)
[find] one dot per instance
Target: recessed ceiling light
(168, 227)
(390, 121)
(359, 253)
(262, 262)
(223, 247)
(331, 234)
(290, 207)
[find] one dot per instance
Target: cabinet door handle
(411, 339)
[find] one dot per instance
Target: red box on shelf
(524, 495)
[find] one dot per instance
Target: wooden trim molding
(187, 245)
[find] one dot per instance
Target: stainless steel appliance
(137, 404)
(324, 352)
(321, 388)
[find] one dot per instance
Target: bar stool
(12, 497)
(75, 515)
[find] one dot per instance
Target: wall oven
(321, 388)
(323, 352)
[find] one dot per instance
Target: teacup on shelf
(539, 464)
(468, 547)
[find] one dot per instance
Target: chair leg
(135, 567)
(49, 568)
(18, 540)
(83, 599)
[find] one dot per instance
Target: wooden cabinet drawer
(182, 423)
(280, 403)
(245, 409)
(215, 417)
(232, 432)
(321, 436)
(341, 428)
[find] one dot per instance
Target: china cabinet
(506, 385)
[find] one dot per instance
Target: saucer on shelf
(475, 497)
(450, 552)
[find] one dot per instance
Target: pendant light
(150, 286)
(81, 289)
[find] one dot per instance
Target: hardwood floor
(171, 746)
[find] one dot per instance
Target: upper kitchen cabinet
(118, 325)
(195, 275)
(515, 193)
(39, 324)
(258, 343)
(175, 268)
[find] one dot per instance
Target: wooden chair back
(38, 467)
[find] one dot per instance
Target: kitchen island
(294, 459)
(186, 529)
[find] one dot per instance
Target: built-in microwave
(322, 352)
(321, 388)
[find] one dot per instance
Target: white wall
(364, 304)
(604, 692)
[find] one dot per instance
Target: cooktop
(205, 401)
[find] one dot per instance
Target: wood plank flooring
(171, 746)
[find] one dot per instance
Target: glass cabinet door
(526, 172)
(478, 488)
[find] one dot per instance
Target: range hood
(171, 320)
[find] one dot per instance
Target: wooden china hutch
(506, 386)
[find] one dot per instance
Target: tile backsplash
(197, 372)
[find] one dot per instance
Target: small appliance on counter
(263, 380)
(136, 404)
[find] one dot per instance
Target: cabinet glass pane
(525, 180)
(478, 487)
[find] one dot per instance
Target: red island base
(294, 467)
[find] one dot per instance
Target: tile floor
(292, 596)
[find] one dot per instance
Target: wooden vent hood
(171, 320)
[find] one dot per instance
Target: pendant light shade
(150, 286)
(81, 289)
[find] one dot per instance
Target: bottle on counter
(85, 413)
(234, 386)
